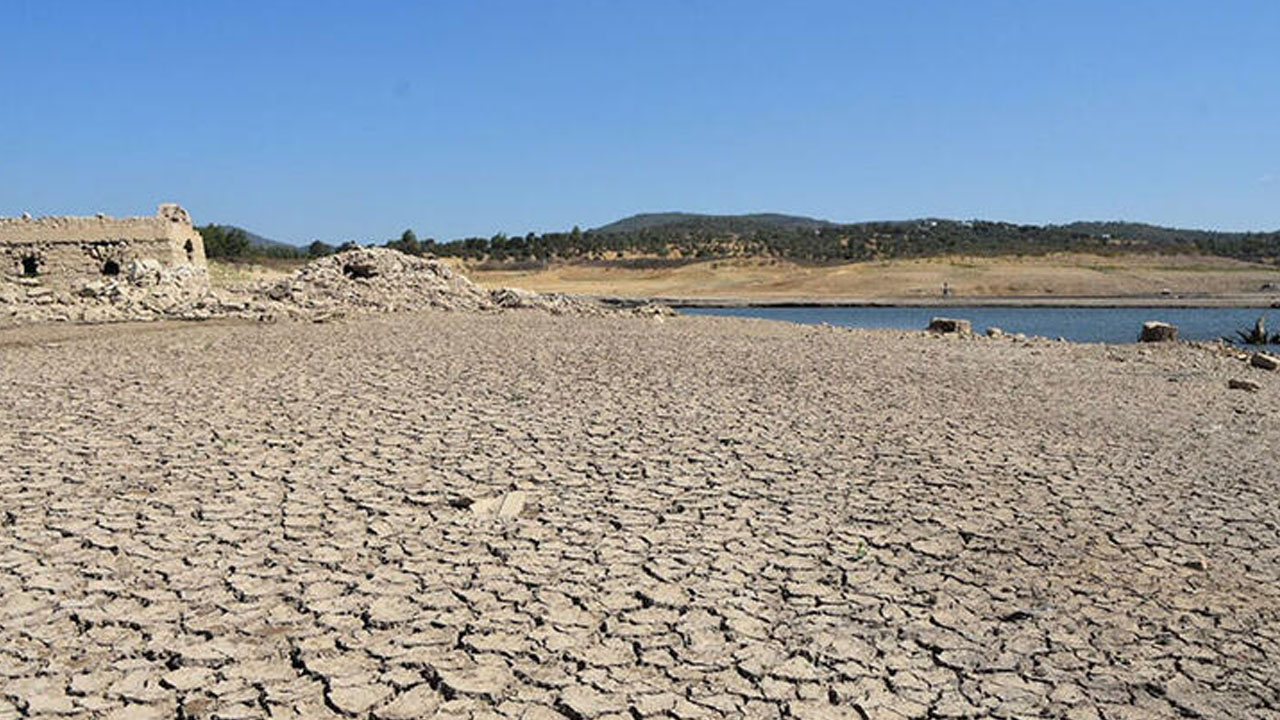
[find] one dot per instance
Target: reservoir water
(1108, 325)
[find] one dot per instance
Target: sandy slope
(1055, 275)
(526, 516)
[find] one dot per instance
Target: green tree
(225, 242)
(319, 249)
(408, 243)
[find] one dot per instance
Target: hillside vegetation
(677, 237)
(729, 223)
(671, 240)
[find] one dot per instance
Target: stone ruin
(66, 252)
(98, 270)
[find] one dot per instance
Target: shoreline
(1259, 301)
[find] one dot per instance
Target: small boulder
(944, 326)
(507, 506)
(1195, 563)
(93, 289)
(995, 332)
(1158, 332)
(1246, 385)
(1265, 361)
(513, 298)
(513, 504)
(146, 271)
(658, 311)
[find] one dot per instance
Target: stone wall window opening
(191, 251)
(30, 266)
(111, 267)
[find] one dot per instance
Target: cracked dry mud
(524, 516)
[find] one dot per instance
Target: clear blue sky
(346, 120)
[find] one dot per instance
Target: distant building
(67, 250)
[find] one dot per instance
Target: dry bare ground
(529, 516)
(1049, 276)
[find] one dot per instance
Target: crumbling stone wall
(71, 250)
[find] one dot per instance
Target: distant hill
(650, 221)
(258, 242)
(228, 242)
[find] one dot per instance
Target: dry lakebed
(522, 515)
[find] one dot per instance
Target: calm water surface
(1109, 325)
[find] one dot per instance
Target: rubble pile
(144, 290)
(374, 279)
(384, 280)
(554, 303)
(364, 280)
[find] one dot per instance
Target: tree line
(698, 238)
(709, 238)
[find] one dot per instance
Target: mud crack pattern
(524, 516)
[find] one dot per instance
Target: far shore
(1254, 300)
(1058, 280)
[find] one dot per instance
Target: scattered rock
(1265, 361)
(554, 303)
(1246, 385)
(950, 325)
(656, 311)
(995, 332)
(505, 506)
(1154, 331)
